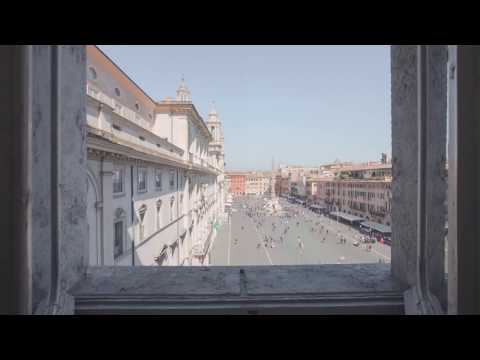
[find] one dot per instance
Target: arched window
(117, 92)
(137, 107)
(92, 74)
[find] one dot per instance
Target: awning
(348, 217)
(384, 229)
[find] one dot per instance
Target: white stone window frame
(142, 169)
(158, 172)
(142, 212)
(119, 217)
(171, 179)
(462, 133)
(158, 208)
(120, 169)
(180, 204)
(172, 205)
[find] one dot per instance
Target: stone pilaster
(106, 176)
(404, 162)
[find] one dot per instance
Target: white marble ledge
(319, 289)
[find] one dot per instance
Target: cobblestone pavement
(241, 242)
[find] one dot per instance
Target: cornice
(183, 108)
(101, 147)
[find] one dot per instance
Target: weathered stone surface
(405, 158)
(435, 170)
(319, 279)
(71, 222)
(404, 162)
(41, 181)
(161, 281)
(319, 289)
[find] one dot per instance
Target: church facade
(155, 172)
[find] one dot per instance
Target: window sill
(309, 289)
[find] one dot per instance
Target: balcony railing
(100, 96)
(118, 108)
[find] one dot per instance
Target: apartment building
(237, 181)
(257, 183)
(369, 199)
(155, 172)
(363, 190)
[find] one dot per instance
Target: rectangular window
(172, 179)
(118, 178)
(118, 238)
(142, 180)
(158, 179)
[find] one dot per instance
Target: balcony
(118, 108)
(100, 96)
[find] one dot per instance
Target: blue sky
(302, 105)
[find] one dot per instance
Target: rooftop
(367, 166)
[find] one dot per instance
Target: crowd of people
(294, 216)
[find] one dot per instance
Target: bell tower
(216, 145)
(183, 94)
(215, 149)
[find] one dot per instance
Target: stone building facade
(257, 183)
(237, 183)
(155, 172)
(362, 190)
(43, 263)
